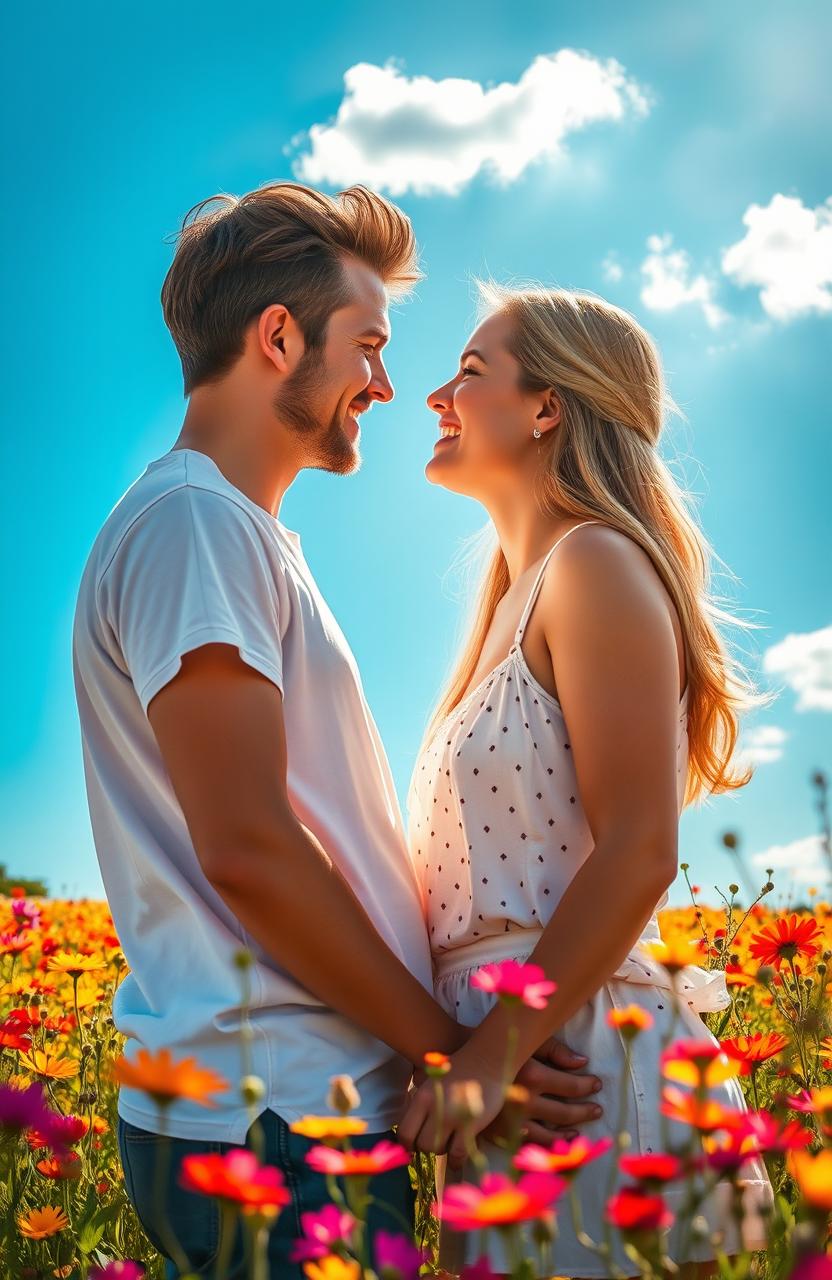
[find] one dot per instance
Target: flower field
(65, 1212)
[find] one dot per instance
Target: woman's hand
(425, 1125)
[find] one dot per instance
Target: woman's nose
(439, 400)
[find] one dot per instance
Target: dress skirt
(631, 1101)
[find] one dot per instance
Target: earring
(537, 433)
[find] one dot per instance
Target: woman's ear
(549, 414)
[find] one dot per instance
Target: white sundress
(496, 833)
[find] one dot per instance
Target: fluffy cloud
(669, 283)
(412, 133)
(763, 745)
(805, 859)
(805, 663)
(787, 253)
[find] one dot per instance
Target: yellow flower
(322, 1127)
(50, 1065)
(74, 965)
(813, 1174)
(675, 954)
(40, 1223)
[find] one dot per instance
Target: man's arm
(219, 726)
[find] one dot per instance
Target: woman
(593, 700)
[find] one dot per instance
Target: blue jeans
(196, 1219)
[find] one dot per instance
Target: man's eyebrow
(373, 332)
(472, 351)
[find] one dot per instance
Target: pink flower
(479, 1270)
(564, 1157)
(397, 1258)
(322, 1230)
(126, 1270)
(512, 982)
(499, 1201)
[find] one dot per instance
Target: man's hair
(281, 243)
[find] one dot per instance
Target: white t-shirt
(185, 559)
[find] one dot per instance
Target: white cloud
(763, 744)
(804, 859)
(412, 133)
(611, 269)
(669, 283)
(805, 663)
(787, 252)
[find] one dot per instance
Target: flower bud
(343, 1095)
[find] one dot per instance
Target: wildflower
(333, 1268)
(165, 1080)
(652, 1167)
(68, 1166)
(786, 940)
(323, 1229)
(126, 1270)
(768, 1133)
(397, 1258)
(436, 1064)
(676, 954)
(378, 1159)
(343, 1095)
(702, 1113)
(52, 1066)
(634, 1211)
(74, 965)
(630, 1020)
(562, 1157)
(697, 1063)
(515, 983)
(324, 1127)
(813, 1174)
(40, 1223)
(13, 943)
(499, 1201)
(236, 1177)
(750, 1051)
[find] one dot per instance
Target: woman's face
(492, 420)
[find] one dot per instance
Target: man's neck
(244, 462)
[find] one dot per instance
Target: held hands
(559, 1099)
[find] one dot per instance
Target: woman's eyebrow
(472, 351)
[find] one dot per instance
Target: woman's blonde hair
(603, 462)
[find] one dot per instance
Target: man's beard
(297, 405)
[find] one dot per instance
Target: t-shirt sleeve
(193, 570)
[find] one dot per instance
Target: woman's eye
(467, 369)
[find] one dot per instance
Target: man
(239, 792)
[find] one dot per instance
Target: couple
(240, 794)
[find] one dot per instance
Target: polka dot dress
(496, 833)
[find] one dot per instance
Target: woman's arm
(608, 626)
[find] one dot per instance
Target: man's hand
(560, 1097)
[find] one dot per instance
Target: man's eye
(368, 348)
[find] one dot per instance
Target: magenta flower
(813, 1266)
(479, 1270)
(26, 913)
(397, 1258)
(513, 982)
(22, 1109)
(499, 1200)
(126, 1270)
(322, 1230)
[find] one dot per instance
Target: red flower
(652, 1167)
(752, 1050)
(786, 939)
(632, 1210)
(236, 1176)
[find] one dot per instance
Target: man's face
(321, 399)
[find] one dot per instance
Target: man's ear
(279, 337)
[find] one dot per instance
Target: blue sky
(672, 157)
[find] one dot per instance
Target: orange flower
(563, 1157)
(52, 1066)
(165, 1080)
(499, 1201)
(436, 1064)
(630, 1020)
(676, 954)
(331, 1267)
(750, 1051)
(69, 1167)
(813, 1174)
(702, 1113)
(786, 940)
(40, 1223)
(383, 1156)
(323, 1127)
(237, 1177)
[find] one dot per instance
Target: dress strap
(533, 593)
